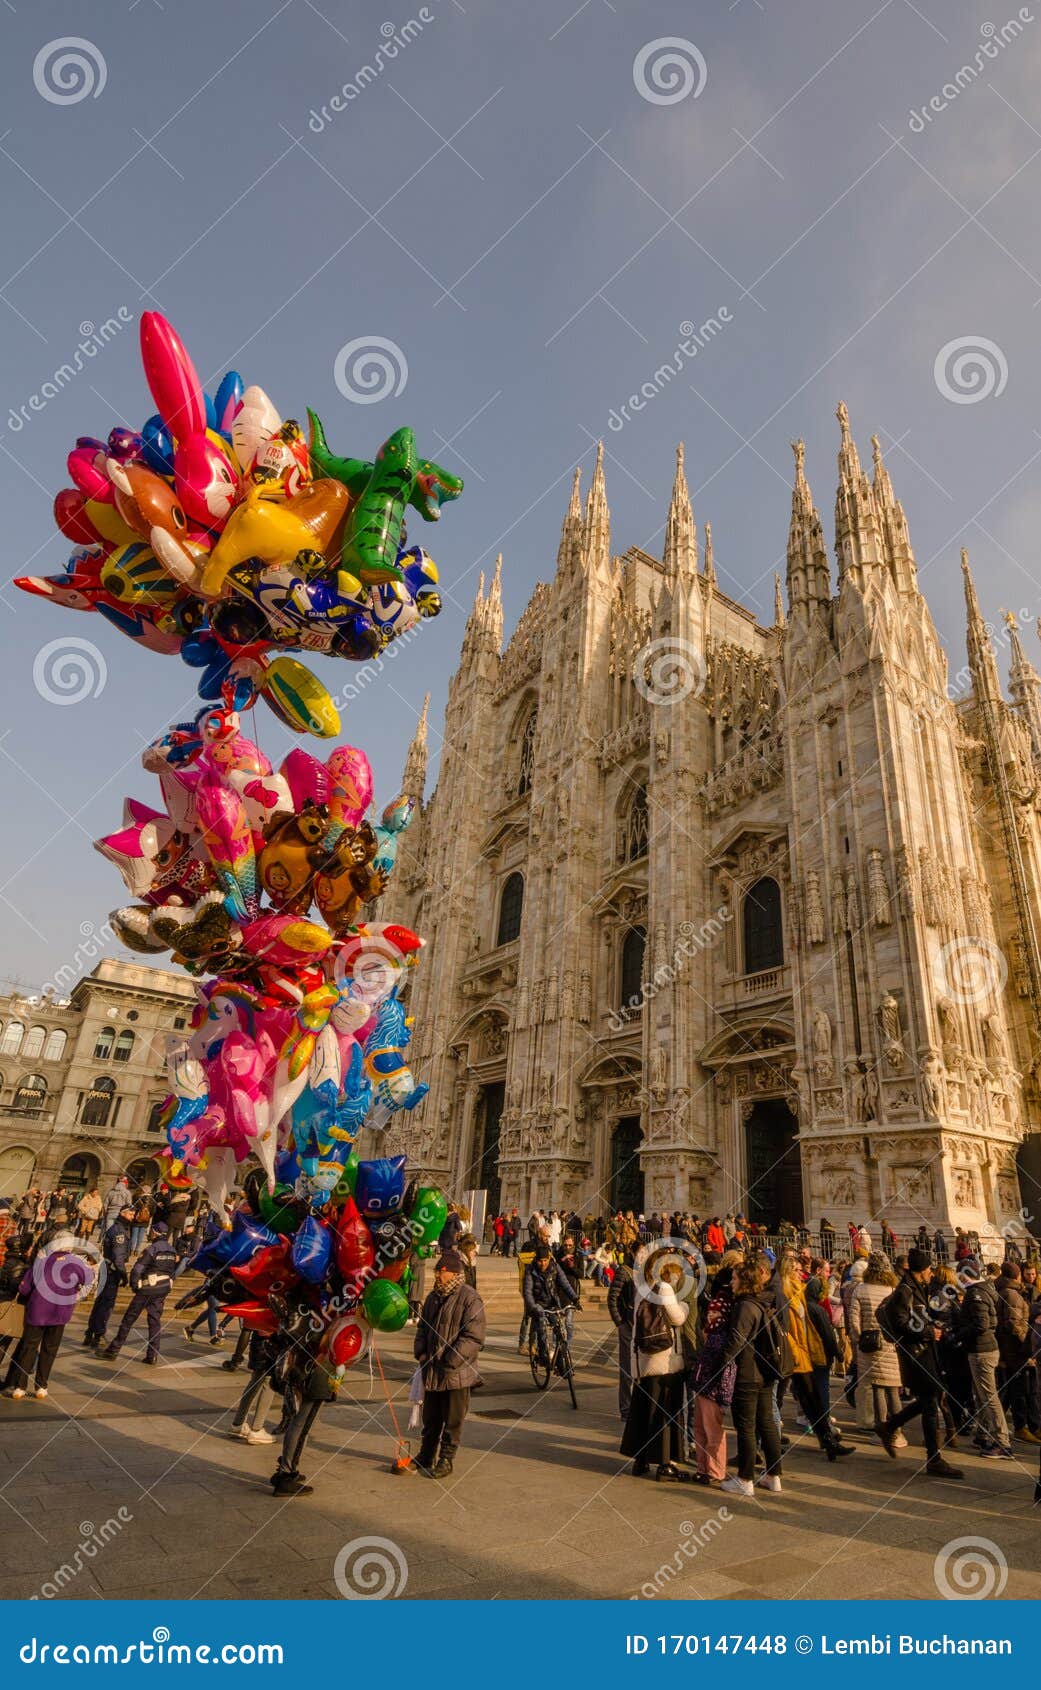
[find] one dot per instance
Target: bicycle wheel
(540, 1369)
(567, 1369)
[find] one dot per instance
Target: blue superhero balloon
(381, 1185)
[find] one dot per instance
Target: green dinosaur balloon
(382, 491)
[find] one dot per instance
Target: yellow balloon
(299, 698)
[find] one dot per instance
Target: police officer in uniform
(115, 1251)
(151, 1280)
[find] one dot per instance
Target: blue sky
(503, 202)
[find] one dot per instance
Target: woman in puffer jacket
(654, 1427)
(878, 1361)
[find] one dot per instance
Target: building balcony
(741, 990)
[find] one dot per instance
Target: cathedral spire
(1024, 685)
(982, 662)
(896, 540)
(857, 542)
(569, 551)
(598, 517)
(709, 576)
(681, 543)
(779, 617)
(809, 581)
(493, 609)
(415, 777)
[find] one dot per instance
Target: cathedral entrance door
(626, 1172)
(773, 1164)
(489, 1118)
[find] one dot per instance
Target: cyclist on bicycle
(547, 1291)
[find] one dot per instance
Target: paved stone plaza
(540, 1504)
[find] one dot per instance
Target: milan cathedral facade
(730, 917)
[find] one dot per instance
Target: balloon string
(402, 1443)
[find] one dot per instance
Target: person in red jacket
(715, 1238)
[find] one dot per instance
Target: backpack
(773, 1350)
(887, 1320)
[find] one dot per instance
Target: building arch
(79, 1172)
(123, 1046)
(30, 1096)
(630, 971)
(511, 909)
(633, 823)
(96, 1110)
(103, 1043)
(762, 926)
(11, 1043)
(54, 1049)
(35, 1039)
(526, 729)
(143, 1170)
(17, 1166)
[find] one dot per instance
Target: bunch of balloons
(219, 532)
(344, 1268)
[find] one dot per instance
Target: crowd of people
(709, 1319)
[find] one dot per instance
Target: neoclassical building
(730, 916)
(82, 1077)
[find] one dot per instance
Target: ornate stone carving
(823, 1063)
(585, 1004)
(890, 1031)
(838, 909)
(877, 889)
(814, 909)
(552, 1009)
(852, 902)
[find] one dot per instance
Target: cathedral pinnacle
(493, 610)
(414, 778)
(681, 546)
(710, 562)
(779, 617)
(598, 517)
(569, 551)
(982, 662)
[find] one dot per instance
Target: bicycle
(558, 1357)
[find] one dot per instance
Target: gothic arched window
(30, 1095)
(527, 755)
(631, 974)
(97, 1105)
(511, 906)
(763, 932)
(123, 1046)
(153, 1124)
(633, 828)
(103, 1044)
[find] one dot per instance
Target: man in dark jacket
(546, 1289)
(151, 1280)
(569, 1259)
(115, 1250)
(910, 1323)
(449, 1338)
(621, 1306)
(976, 1328)
(1016, 1375)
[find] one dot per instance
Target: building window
(633, 828)
(34, 1042)
(30, 1095)
(763, 933)
(179, 1023)
(155, 1114)
(54, 1049)
(527, 754)
(631, 988)
(11, 1043)
(123, 1046)
(133, 1015)
(511, 906)
(97, 1105)
(103, 1044)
